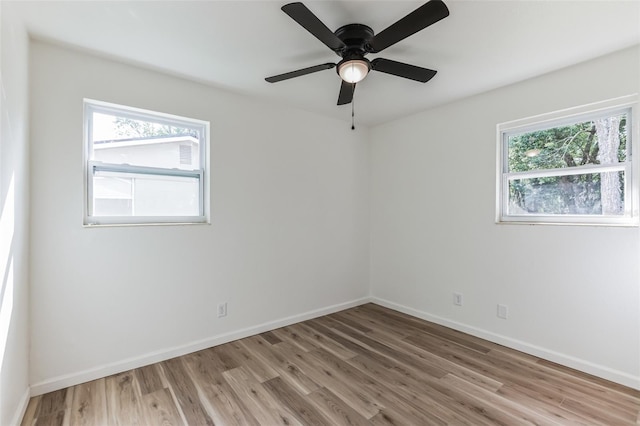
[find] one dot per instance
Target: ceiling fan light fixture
(354, 70)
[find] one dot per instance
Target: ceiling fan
(353, 42)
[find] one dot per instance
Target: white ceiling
(236, 44)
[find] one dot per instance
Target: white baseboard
(73, 379)
(540, 352)
(21, 408)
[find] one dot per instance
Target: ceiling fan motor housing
(356, 37)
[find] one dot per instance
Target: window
(571, 167)
(144, 167)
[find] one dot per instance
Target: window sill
(621, 223)
(129, 224)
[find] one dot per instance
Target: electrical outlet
(457, 299)
(222, 310)
(503, 311)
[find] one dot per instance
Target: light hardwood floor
(366, 365)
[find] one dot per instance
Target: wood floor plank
(431, 360)
(89, 404)
(271, 338)
(464, 407)
(158, 408)
(217, 397)
(367, 365)
(52, 402)
(390, 390)
(258, 367)
(335, 409)
(324, 327)
(123, 405)
(53, 409)
(278, 357)
(343, 387)
(520, 412)
(225, 361)
(217, 359)
(264, 407)
(148, 379)
(352, 321)
(385, 398)
(287, 334)
(69, 403)
(414, 391)
(388, 351)
(226, 407)
(404, 321)
(627, 393)
(468, 358)
(324, 342)
(297, 404)
(599, 389)
(598, 412)
(185, 392)
(374, 321)
(30, 417)
(520, 372)
(55, 418)
(527, 397)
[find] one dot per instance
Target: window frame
(91, 166)
(625, 104)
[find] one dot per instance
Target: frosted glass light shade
(353, 71)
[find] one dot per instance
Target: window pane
(113, 206)
(122, 140)
(585, 194)
(130, 194)
(598, 141)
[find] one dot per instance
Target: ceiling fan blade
(303, 16)
(427, 14)
(298, 73)
(401, 69)
(346, 93)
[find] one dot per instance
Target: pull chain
(353, 102)
(353, 125)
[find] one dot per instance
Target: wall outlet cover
(222, 310)
(457, 299)
(503, 311)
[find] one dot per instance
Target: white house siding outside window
(144, 167)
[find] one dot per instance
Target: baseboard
(540, 352)
(21, 408)
(73, 379)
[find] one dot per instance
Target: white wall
(573, 292)
(290, 228)
(289, 234)
(14, 212)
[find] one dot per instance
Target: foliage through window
(568, 168)
(143, 167)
